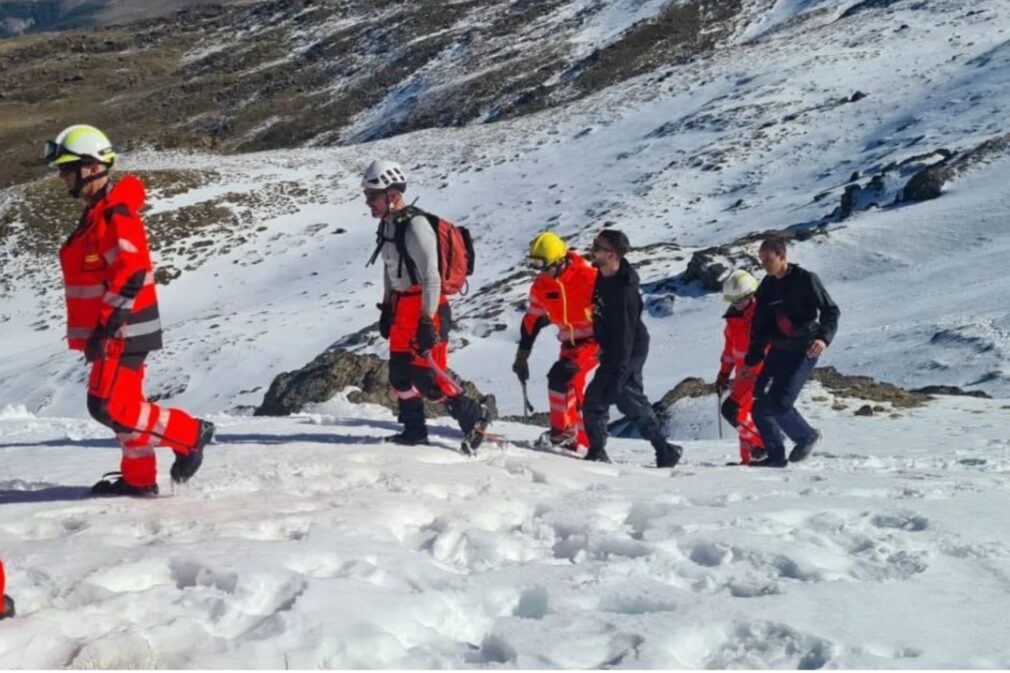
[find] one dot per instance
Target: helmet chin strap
(82, 181)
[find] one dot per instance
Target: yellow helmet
(79, 142)
(547, 249)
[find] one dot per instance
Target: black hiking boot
(667, 454)
(185, 466)
(597, 456)
(474, 437)
(8, 607)
(802, 450)
(119, 487)
(409, 437)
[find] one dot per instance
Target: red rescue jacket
(737, 341)
(107, 273)
(565, 301)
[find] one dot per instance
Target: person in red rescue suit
(7, 607)
(738, 290)
(414, 313)
(562, 295)
(112, 315)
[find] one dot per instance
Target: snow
(305, 543)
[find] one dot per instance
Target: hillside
(270, 75)
(872, 132)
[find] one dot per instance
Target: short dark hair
(616, 241)
(774, 244)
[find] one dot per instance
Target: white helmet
(79, 142)
(739, 285)
(383, 175)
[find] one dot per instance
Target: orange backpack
(455, 249)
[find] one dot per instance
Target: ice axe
(527, 407)
(718, 411)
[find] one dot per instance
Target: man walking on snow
(414, 313)
(739, 291)
(562, 294)
(624, 346)
(795, 321)
(112, 315)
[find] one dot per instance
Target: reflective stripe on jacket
(565, 301)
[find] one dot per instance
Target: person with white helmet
(112, 314)
(738, 289)
(794, 322)
(414, 313)
(562, 295)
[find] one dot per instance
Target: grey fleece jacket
(422, 247)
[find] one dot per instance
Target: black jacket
(792, 312)
(617, 323)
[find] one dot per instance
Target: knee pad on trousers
(731, 411)
(100, 410)
(561, 374)
(399, 371)
(423, 379)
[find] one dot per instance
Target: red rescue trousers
(116, 399)
(410, 375)
(750, 438)
(566, 387)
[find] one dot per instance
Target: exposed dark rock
(952, 390)
(689, 387)
(925, 185)
(330, 373)
(866, 388)
(865, 410)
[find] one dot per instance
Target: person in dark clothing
(795, 321)
(624, 346)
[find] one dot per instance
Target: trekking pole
(527, 407)
(718, 411)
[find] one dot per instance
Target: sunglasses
(376, 195)
(596, 247)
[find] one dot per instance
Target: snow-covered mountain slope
(304, 544)
(687, 157)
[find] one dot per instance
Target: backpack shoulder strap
(400, 224)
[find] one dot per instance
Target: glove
(521, 366)
(426, 335)
(385, 319)
(95, 346)
(722, 382)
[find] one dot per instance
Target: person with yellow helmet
(562, 295)
(112, 314)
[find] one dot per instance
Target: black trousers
(629, 396)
